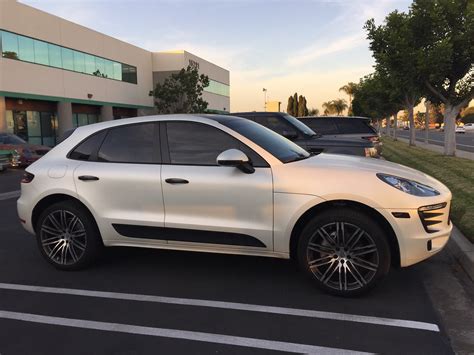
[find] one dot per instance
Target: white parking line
(228, 305)
(176, 334)
(8, 195)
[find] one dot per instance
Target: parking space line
(8, 195)
(229, 305)
(176, 334)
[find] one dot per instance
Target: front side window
(192, 143)
(130, 144)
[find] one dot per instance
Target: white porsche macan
(224, 184)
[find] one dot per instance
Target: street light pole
(265, 99)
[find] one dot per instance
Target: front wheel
(344, 251)
(67, 236)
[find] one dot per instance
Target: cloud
(326, 47)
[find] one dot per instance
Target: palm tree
(329, 107)
(339, 105)
(349, 89)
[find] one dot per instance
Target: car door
(207, 204)
(119, 179)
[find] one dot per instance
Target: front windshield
(300, 125)
(280, 147)
(10, 139)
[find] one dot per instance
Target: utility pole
(265, 99)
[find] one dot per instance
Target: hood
(334, 176)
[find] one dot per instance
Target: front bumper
(415, 243)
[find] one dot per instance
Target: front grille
(432, 216)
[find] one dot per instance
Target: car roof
(258, 113)
(336, 117)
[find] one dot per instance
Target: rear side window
(354, 126)
(275, 124)
(130, 144)
(88, 148)
(321, 125)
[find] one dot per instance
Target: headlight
(409, 186)
(370, 152)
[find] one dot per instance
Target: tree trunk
(395, 125)
(387, 126)
(450, 114)
(427, 121)
(412, 124)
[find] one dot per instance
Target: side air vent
(431, 216)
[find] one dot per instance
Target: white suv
(224, 184)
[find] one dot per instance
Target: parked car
(5, 159)
(460, 129)
(229, 185)
(296, 131)
(28, 153)
(344, 127)
(469, 127)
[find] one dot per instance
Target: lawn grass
(455, 173)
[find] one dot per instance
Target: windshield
(300, 125)
(10, 139)
(280, 147)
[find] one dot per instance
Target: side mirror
(291, 135)
(237, 159)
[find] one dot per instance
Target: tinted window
(275, 123)
(354, 126)
(88, 147)
(130, 144)
(321, 125)
(199, 144)
(280, 147)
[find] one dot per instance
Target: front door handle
(176, 181)
(88, 178)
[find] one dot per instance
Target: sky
(312, 47)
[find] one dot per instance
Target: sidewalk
(437, 148)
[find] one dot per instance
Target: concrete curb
(462, 250)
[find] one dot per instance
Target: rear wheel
(67, 236)
(344, 251)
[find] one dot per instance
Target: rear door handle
(88, 178)
(176, 181)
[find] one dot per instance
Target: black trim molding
(187, 235)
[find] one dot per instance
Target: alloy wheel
(63, 237)
(342, 256)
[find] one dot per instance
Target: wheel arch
(47, 201)
(327, 205)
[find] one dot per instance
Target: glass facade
(14, 46)
(218, 88)
(82, 119)
(33, 126)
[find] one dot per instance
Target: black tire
(67, 236)
(338, 264)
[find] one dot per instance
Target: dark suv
(289, 127)
(342, 127)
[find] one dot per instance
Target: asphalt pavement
(140, 301)
(464, 141)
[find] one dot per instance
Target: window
(321, 125)
(218, 88)
(88, 147)
(26, 49)
(130, 144)
(41, 52)
(82, 119)
(54, 53)
(79, 62)
(68, 58)
(31, 50)
(275, 124)
(9, 45)
(90, 67)
(281, 148)
(199, 144)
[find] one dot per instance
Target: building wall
(29, 78)
(166, 63)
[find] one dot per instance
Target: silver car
(224, 184)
